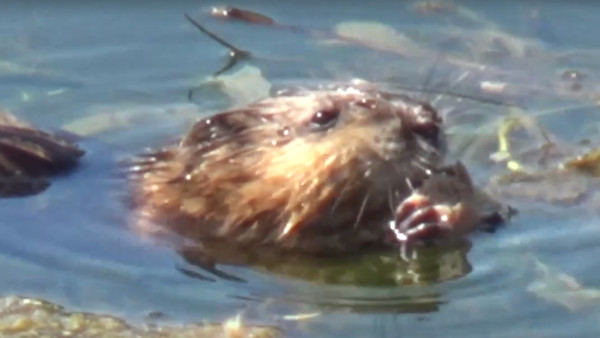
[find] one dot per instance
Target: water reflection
(376, 282)
(428, 265)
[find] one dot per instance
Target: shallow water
(73, 244)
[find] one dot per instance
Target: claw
(418, 210)
(424, 231)
(410, 205)
(418, 219)
(420, 216)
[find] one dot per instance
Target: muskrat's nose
(427, 124)
(430, 131)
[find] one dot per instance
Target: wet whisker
(391, 202)
(340, 196)
(463, 76)
(409, 184)
(454, 94)
(422, 167)
(429, 77)
(362, 209)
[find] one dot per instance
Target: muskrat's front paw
(421, 219)
(418, 219)
(447, 206)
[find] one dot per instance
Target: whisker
(462, 76)
(455, 94)
(420, 166)
(426, 147)
(362, 209)
(429, 76)
(425, 160)
(340, 196)
(391, 202)
(409, 184)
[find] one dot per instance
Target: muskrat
(321, 171)
(29, 155)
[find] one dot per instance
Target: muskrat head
(315, 170)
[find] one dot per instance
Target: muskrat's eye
(324, 119)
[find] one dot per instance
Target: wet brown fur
(261, 175)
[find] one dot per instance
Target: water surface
(73, 243)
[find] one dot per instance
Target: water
(73, 244)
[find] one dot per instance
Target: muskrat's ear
(222, 126)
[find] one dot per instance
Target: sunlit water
(73, 243)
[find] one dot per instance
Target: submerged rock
(26, 317)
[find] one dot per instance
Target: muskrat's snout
(418, 117)
(429, 126)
